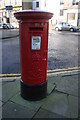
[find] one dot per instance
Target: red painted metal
(33, 62)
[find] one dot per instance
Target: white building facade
(70, 12)
(48, 5)
(63, 10)
(8, 16)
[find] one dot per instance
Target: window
(0, 21)
(61, 2)
(10, 1)
(15, 2)
(75, 2)
(61, 12)
(71, 16)
(37, 4)
(78, 15)
(5, 2)
(0, 4)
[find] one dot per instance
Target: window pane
(78, 15)
(61, 2)
(15, 2)
(37, 4)
(71, 16)
(75, 2)
(61, 12)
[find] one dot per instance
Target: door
(38, 59)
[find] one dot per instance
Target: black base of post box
(33, 92)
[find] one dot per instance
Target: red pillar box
(33, 30)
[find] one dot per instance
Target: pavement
(5, 34)
(65, 32)
(61, 101)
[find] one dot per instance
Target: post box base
(33, 92)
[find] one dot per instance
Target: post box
(33, 36)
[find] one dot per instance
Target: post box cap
(33, 14)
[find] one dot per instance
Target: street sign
(9, 7)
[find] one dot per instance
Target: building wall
(72, 16)
(26, 5)
(54, 7)
(49, 5)
(79, 5)
(67, 4)
(17, 5)
(14, 3)
(70, 12)
(79, 14)
(31, 4)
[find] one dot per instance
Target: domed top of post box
(33, 14)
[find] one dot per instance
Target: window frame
(37, 4)
(75, 2)
(61, 12)
(61, 2)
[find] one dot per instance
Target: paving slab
(10, 89)
(34, 105)
(1, 93)
(9, 33)
(42, 113)
(79, 107)
(7, 80)
(0, 82)
(66, 84)
(71, 84)
(0, 110)
(73, 106)
(59, 83)
(53, 79)
(0, 113)
(0, 103)
(57, 103)
(50, 88)
(12, 110)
